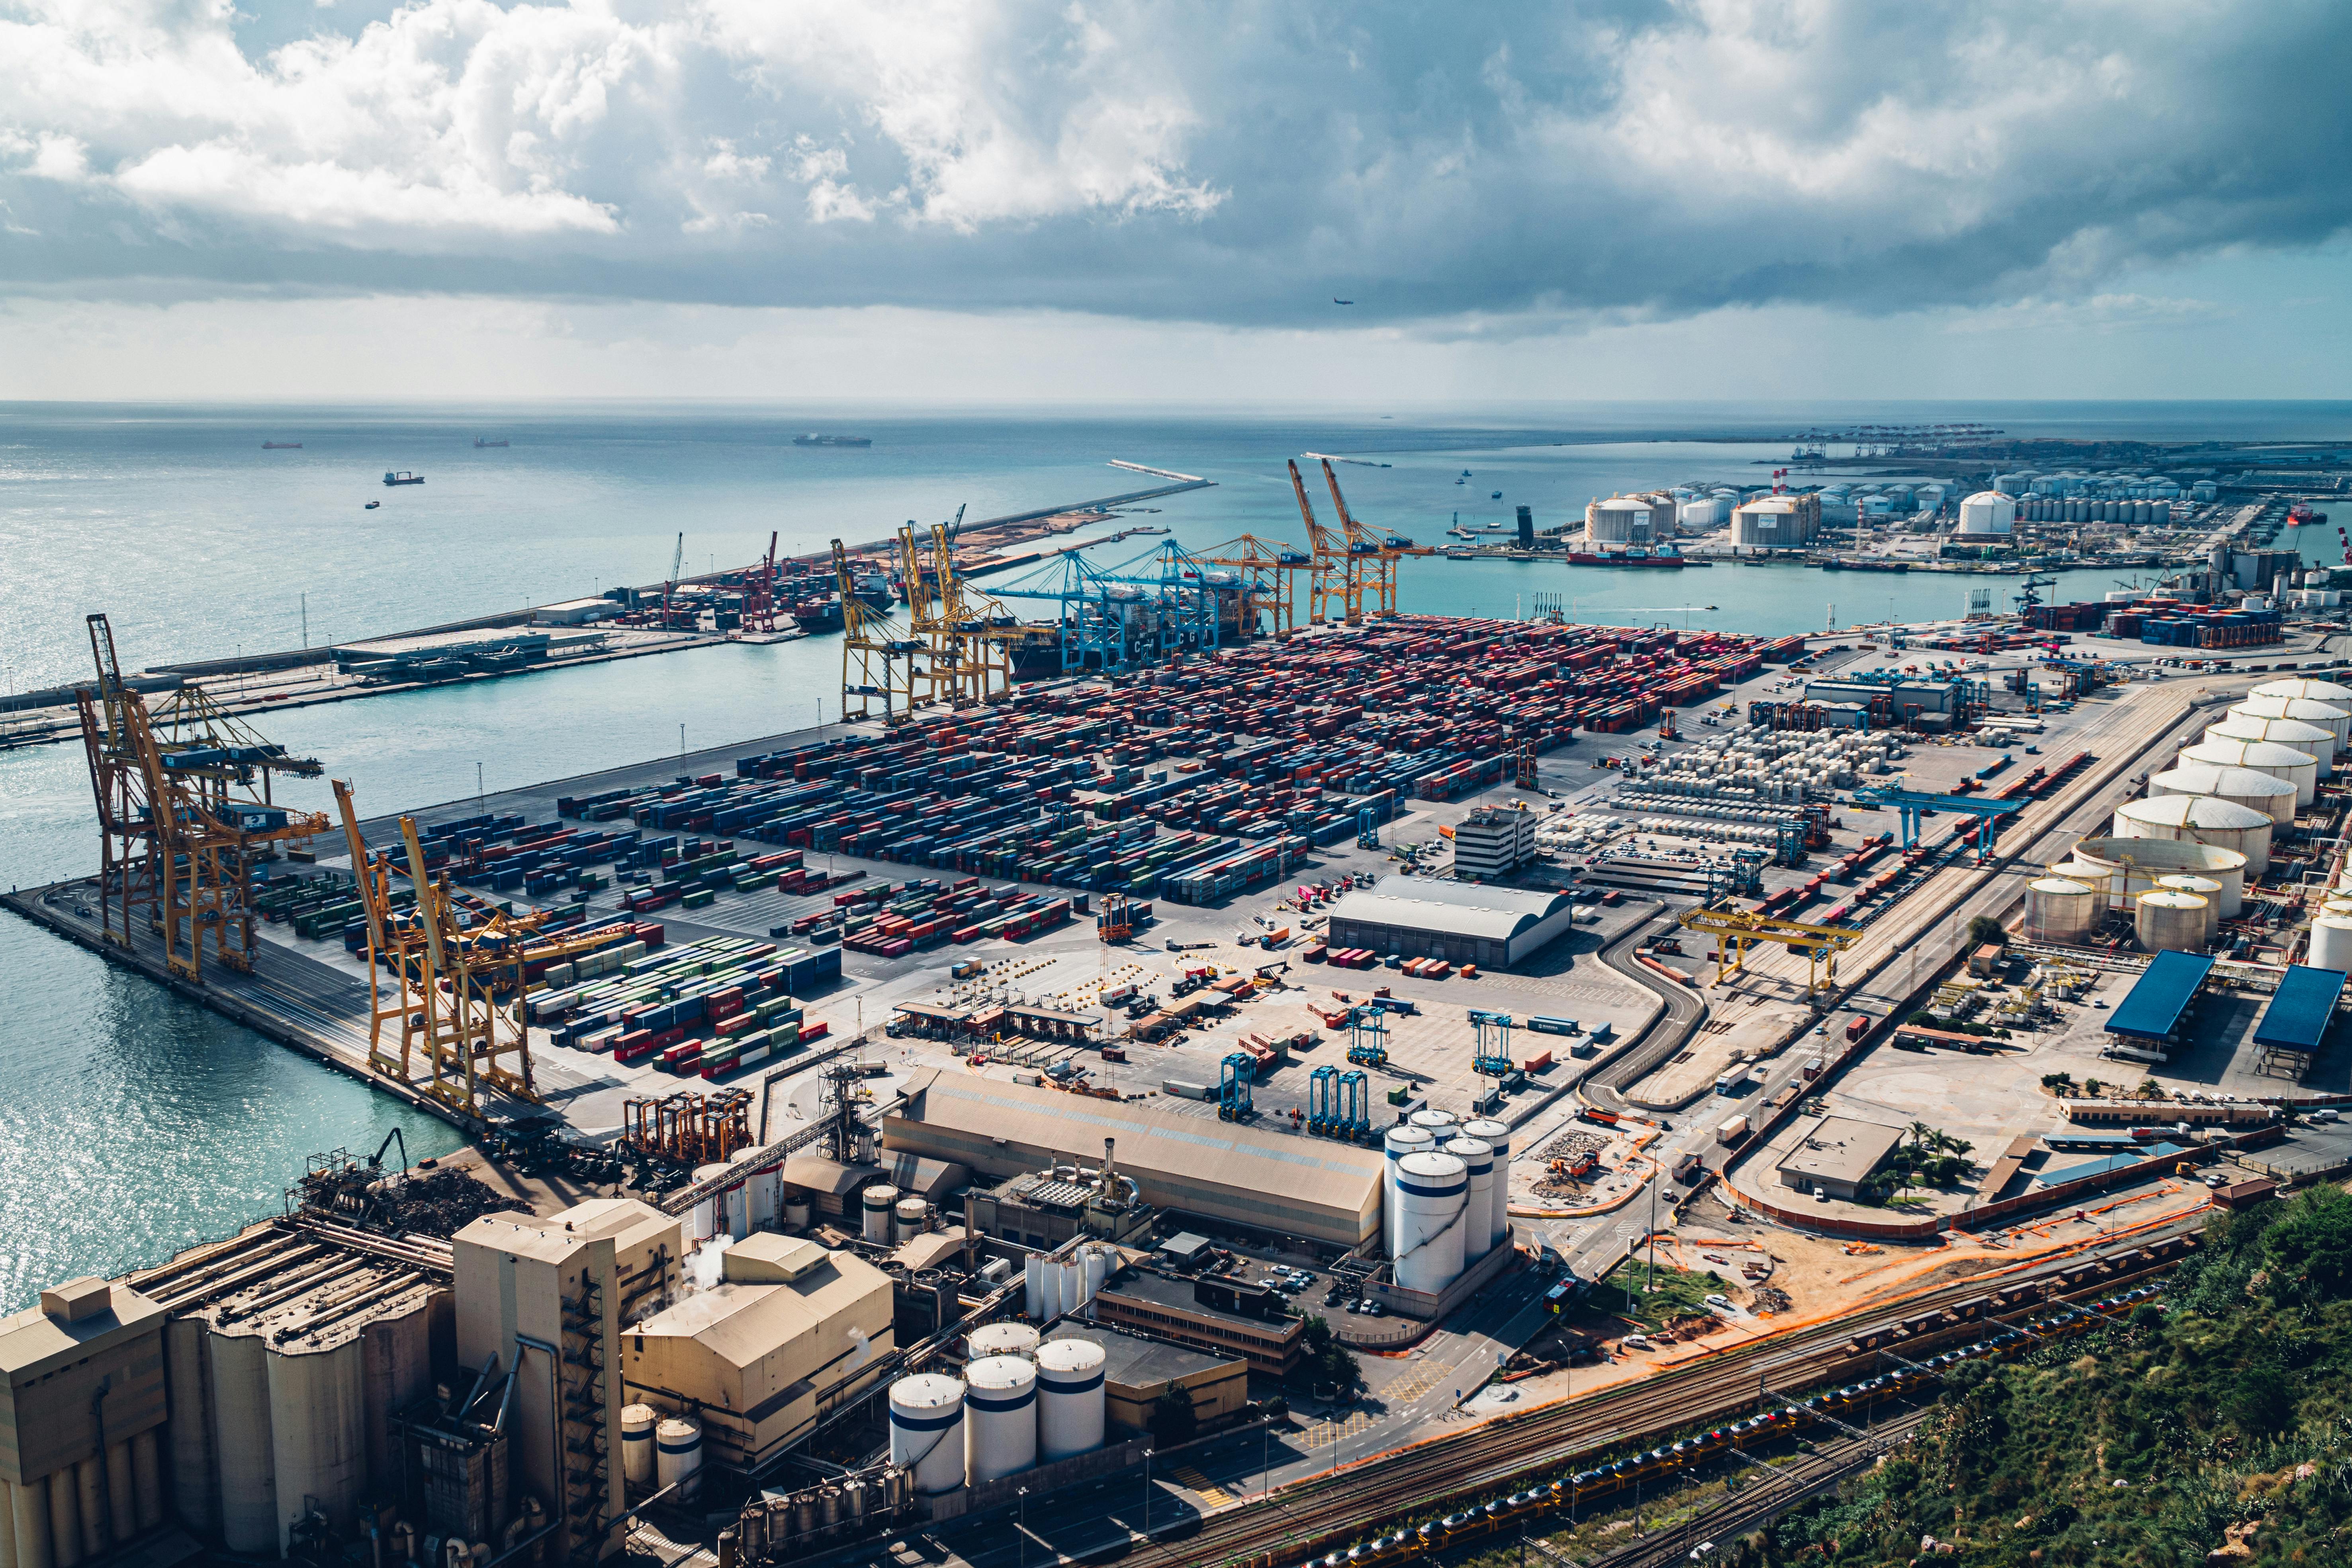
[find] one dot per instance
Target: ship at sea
(281, 446)
(483, 441)
(403, 477)
(814, 440)
(1634, 556)
(816, 615)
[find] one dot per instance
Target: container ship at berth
(1636, 556)
(1834, 565)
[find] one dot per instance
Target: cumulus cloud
(1231, 160)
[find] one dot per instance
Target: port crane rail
(1736, 931)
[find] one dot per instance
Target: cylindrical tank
(761, 1190)
(1495, 1135)
(1433, 1209)
(2298, 768)
(1436, 1123)
(2309, 739)
(1069, 1398)
(1401, 1140)
(1099, 1262)
(2271, 795)
(2199, 820)
(29, 1532)
(2122, 867)
(2331, 944)
(909, 1220)
(2328, 716)
(1073, 1285)
(876, 1205)
(927, 1431)
(678, 1456)
(2171, 920)
(637, 1466)
(1049, 1284)
(317, 1430)
(2061, 910)
(1478, 1233)
(1032, 1286)
(241, 1421)
(2204, 888)
(999, 1417)
(2326, 691)
(709, 1216)
(1007, 1338)
(797, 1211)
(65, 1516)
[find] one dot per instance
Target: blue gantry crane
(1145, 610)
(1491, 1049)
(1910, 804)
(1367, 1036)
(1234, 1076)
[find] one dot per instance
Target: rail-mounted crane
(1380, 551)
(1337, 570)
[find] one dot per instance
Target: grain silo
(1433, 1202)
(2273, 797)
(2061, 910)
(1401, 1140)
(999, 1417)
(1477, 1239)
(1070, 1398)
(2199, 820)
(2298, 768)
(926, 1432)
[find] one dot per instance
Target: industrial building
(79, 1427)
(1777, 522)
(1461, 923)
(2159, 1007)
(1042, 1209)
(1138, 1370)
(1213, 1315)
(1230, 1173)
(1492, 842)
(1837, 1155)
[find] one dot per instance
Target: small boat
(281, 446)
(1496, 496)
(372, 506)
(483, 441)
(403, 477)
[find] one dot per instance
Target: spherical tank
(908, 1219)
(1433, 1211)
(2328, 716)
(2298, 768)
(2171, 920)
(677, 1454)
(2205, 888)
(1495, 1135)
(999, 1417)
(2326, 691)
(637, 1466)
(1069, 1398)
(2199, 819)
(1401, 1141)
(2061, 910)
(1000, 1338)
(2331, 944)
(2124, 868)
(1477, 1235)
(876, 1205)
(2273, 797)
(927, 1431)
(2316, 743)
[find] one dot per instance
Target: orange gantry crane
(1269, 571)
(1380, 551)
(1337, 570)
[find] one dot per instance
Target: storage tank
(2273, 797)
(762, 1190)
(876, 1205)
(1438, 1124)
(1050, 1304)
(797, 1213)
(678, 1456)
(2199, 820)
(908, 1219)
(2310, 738)
(926, 1432)
(1007, 1338)
(1101, 1263)
(2122, 869)
(2061, 910)
(1988, 513)
(637, 1466)
(1069, 1398)
(2331, 944)
(1433, 1204)
(2175, 921)
(999, 1417)
(1401, 1140)
(2326, 691)
(1073, 1285)
(1477, 1238)
(2328, 716)
(709, 1213)
(1032, 1286)
(1495, 1135)
(2205, 888)
(2298, 768)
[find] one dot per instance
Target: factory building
(80, 1449)
(1629, 520)
(1459, 922)
(1492, 842)
(1219, 1316)
(1138, 1370)
(1777, 522)
(1226, 1173)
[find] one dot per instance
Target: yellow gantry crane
(1338, 570)
(876, 655)
(1269, 569)
(1736, 931)
(1382, 551)
(967, 660)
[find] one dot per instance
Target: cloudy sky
(1088, 199)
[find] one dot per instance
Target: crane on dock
(1737, 929)
(393, 943)
(469, 995)
(669, 586)
(1384, 550)
(1337, 572)
(878, 658)
(975, 633)
(1269, 569)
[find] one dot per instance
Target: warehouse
(1227, 1173)
(1459, 922)
(1838, 1155)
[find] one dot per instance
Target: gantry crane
(876, 655)
(677, 565)
(393, 943)
(760, 592)
(1269, 569)
(1382, 551)
(471, 1043)
(1737, 929)
(976, 624)
(1337, 570)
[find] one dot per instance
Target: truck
(1728, 1083)
(1857, 1026)
(1731, 1130)
(1688, 1165)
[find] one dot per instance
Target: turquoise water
(135, 1124)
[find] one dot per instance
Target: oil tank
(908, 1219)
(2273, 797)
(2199, 819)
(2316, 743)
(678, 1456)
(999, 1417)
(2331, 717)
(637, 1466)
(1069, 1398)
(2123, 868)
(1495, 1135)
(1477, 1237)
(2061, 910)
(1401, 1140)
(2298, 768)
(1007, 1338)
(2331, 944)
(2171, 920)
(1433, 1212)
(926, 1432)
(2205, 888)
(875, 1205)
(2327, 691)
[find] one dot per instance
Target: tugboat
(372, 506)
(403, 477)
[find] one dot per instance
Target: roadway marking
(1413, 1387)
(1210, 1492)
(1327, 1431)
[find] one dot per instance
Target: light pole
(1147, 1493)
(1024, 1530)
(478, 783)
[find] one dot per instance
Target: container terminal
(949, 1121)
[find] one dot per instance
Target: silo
(2326, 691)
(1032, 1286)
(1073, 1285)
(1069, 1398)
(2298, 768)
(1496, 1136)
(796, 1212)
(927, 1431)
(1438, 1124)
(761, 1191)
(2171, 920)
(2331, 944)
(1432, 1203)
(1101, 1263)
(1050, 1304)
(876, 1205)
(708, 1215)
(2273, 797)
(2310, 738)
(2331, 717)
(678, 1456)
(908, 1219)
(2124, 868)
(2199, 819)
(1006, 1338)
(1477, 1237)
(2061, 910)
(2205, 888)
(1403, 1139)
(999, 1417)
(240, 1412)
(637, 1468)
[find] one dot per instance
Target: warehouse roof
(2301, 1009)
(2161, 996)
(1144, 1364)
(1466, 908)
(1838, 1149)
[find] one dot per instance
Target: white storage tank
(1049, 1291)
(1988, 513)
(2174, 921)
(1401, 1140)
(2273, 797)
(1495, 1135)
(999, 1417)
(876, 1206)
(2199, 820)
(926, 1432)
(1101, 1263)
(2061, 910)
(909, 1220)
(1433, 1209)
(2336, 721)
(797, 1211)
(2122, 869)
(1477, 1238)
(637, 1466)
(1438, 1124)
(709, 1215)
(1032, 1286)
(678, 1456)
(763, 1192)
(2331, 944)
(1069, 1398)
(1006, 1338)
(2327, 691)
(2298, 768)
(1073, 1285)
(2309, 739)
(2205, 888)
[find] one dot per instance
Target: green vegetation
(1328, 1364)
(2219, 1422)
(1931, 1159)
(1676, 1294)
(1985, 928)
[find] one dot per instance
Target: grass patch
(1673, 1293)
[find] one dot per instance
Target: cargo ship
(481, 442)
(1834, 564)
(833, 440)
(1635, 556)
(403, 477)
(814, 616)
(2300, 515)
(281, 446)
